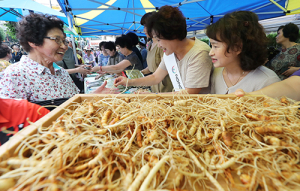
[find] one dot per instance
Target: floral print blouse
(286, 58)
(102, 60)
(30, 80)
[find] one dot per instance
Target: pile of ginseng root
(162, 143)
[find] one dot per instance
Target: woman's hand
(103, 90)
(121, 81)
(290, 71)
(239, 93)
(146, 71)
(101, 72)
(95, 68)
(83, 70)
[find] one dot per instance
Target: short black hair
(168, 23)
(4, 50)
(12, 46)
(134, 38)
(34, 27)
(291, 31)
(145, 17)
(281, 27)
(101, 44)
(124, 41)
(110, 46)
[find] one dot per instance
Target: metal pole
(72, 38)
(275, 3)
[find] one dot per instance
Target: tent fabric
(294, 6)
(13, 10)
(115, 17)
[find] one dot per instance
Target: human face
(122, 50)
(219, 55)
(88, 52)
(103, 51)
(145, 31)
(280, 38)
(110, 52)
(70, 44)
(16, 48)
(51, 50)
(166, 45)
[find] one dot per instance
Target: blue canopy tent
(115, 17)
(14, 10)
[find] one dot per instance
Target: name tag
(173, 71)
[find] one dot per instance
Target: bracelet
(101, 68)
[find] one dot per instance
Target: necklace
(233, 84)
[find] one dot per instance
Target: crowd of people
(236, 62)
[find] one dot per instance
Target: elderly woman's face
(53, 49)
(104, 51)
(110, 52)
(122, 50)
(280, 38)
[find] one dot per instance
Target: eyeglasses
(58, 40)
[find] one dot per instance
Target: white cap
(142, 40)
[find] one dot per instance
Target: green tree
(11, 29)
(206, 40)
(272, 39)
(2, 34)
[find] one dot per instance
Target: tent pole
(211, 22)
(102, 23)
(185, 2)
(72, 38)
(116, 8)
(295, 9)
(70, 27)
(275, 3)
(133, 14)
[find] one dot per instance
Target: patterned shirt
(286, 58)
(88, 59)
(102, 60)
(30, 80)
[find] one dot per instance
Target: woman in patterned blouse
(5, 56)
(102, 57)
(36, 77)
(288, 60)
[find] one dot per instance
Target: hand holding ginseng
(122, 81)
(83, 70)
(103, 90)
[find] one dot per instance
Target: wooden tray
(7, 149)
